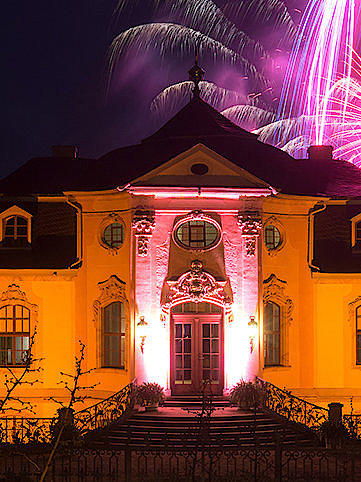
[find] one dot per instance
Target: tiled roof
(196, 123)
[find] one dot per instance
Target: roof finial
(196, 74)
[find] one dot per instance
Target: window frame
(13, 296)
(111, 290)
(112, 335)
(113, 218)
(14, 334)
(197, 216)
(17, 212)
(274, 291)
(358, 333)
(273, 221)
(273, 334)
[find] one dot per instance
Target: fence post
(278, 458)
(335, 413)
(128, 463)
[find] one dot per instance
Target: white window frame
(15, 211)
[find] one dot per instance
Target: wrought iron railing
(293, 408)
(104, 412)
(22, 430)
(15, 430)
(353, 424)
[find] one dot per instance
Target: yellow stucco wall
(66, 315)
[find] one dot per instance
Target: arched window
(113, 335)
(15, 230)
(14, 335)
(272, 332)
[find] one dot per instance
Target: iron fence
(136, 465)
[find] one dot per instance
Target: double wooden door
(196, 353)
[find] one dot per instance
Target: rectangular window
(358, 335)
(271, 334)
(14, 335)
(113, 335)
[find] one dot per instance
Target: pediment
(220, 172)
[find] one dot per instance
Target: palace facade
(198, 254)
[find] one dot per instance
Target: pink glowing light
(322, 53)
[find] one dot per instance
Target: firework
(322, 52)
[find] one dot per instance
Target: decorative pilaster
(250, 224)
(143, 225)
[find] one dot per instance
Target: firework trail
(320, 101)
(322, 52)
(186, 24)
(171, 99)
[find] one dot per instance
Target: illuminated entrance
(196, 348)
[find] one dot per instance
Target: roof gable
(177, 172)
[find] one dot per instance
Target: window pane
(272, 237)
(115, 351)
(197, 234)
(271, 334)
(113, 235)
(358, 348)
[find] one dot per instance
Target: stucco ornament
(274, 290)
(250, 223)
(197, 286)
(352, 308)
(143, 225)
(13, 295)
(112, 289)
(13, 292)
(251, 246)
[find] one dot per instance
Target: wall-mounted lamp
(253, 331)
(142, 328)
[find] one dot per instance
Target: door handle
(200, 357)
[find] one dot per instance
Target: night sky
(54, 60)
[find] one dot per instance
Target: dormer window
(15, 228)
(356, 232)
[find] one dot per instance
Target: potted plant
(149, 395)
(248, 395)
(333, 434)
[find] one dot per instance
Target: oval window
(197, 234)
(113, 235)
(272, 237)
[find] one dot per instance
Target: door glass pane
(187, 330)
(206, 330)
(215, 361)
(206, 346)
(215, 346)
(187, 361)
(206, 361)
(187, 346)
(214, 330)
(178, 346)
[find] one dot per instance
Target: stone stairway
(178, 425)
